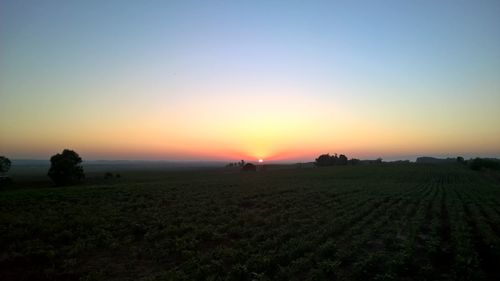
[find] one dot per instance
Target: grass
(373, 222)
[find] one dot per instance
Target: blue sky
(430, 67)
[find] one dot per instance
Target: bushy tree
(4, 164)
(331, 160)
(324, 160)
(249, 167)
(484, 163)
(236, 164)
(342, 160)
(354, 161)
(65, 168)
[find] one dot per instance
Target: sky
(229, 80)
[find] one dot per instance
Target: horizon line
(389, 159)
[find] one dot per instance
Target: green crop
(367, 222)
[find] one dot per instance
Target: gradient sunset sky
(230, 80)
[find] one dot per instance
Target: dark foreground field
(341, 223)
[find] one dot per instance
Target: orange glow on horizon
(232, 81)
(285, 126)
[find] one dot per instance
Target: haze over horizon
(277, 80)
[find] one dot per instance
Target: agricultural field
(367, 222)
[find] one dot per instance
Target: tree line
(335, 160)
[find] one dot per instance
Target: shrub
(4, 164)
(65, 168)
(483, 163)
(249, 167)
(331, 160)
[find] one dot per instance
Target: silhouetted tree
(342, 160)
(331, 160)
(354, 161)
(323, 160)
(236, 164)
(484, 163)
(65, 168)
(249, 167)
(4, 164)
(460, 160)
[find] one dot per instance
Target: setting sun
(260, 160)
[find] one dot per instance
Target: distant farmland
(371, 222)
